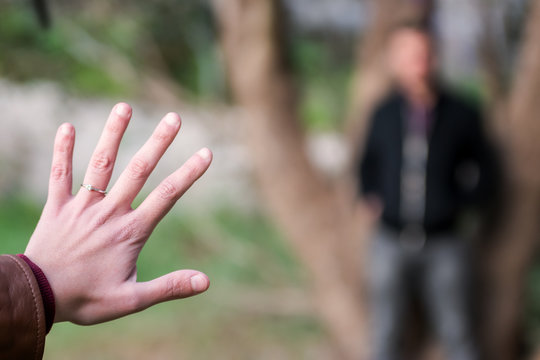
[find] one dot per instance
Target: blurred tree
(319, 216)
(302, 201)
(515, 107)
(314, 212)
(183, 35)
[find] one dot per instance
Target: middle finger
(145, 160)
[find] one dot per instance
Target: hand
(88, 244)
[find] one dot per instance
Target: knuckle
(60, 172)
(101, 218)
(127, 232)
(52, 208)
(138, 169)
(191, 171)
(82, 319)
(101, 162)
(131, 229)
(131, 302)
(61, 147)
(115, 126)
(161, 136)
(167, 190)
(170, 288)
(175, 288)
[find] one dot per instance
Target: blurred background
(281, 91)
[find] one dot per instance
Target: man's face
(411, 57)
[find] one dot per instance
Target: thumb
(176, 285)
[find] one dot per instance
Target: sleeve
(22, 317)
(367, 170)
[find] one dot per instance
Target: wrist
(45, 289)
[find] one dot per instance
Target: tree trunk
(305, 205)
(316, 215)
(514, 248)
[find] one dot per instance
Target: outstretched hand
(88, 244)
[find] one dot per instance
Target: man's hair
(418, 27)
(421, 27)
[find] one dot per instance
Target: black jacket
(456, 142)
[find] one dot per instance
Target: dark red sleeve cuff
(46, 292)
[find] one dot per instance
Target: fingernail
(199, 283)
(172, 119)
(123, 110)
(205, 153)
(66, 129)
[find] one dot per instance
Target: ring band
(93, 188)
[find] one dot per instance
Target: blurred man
(426, 159)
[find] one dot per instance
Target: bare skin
(88, 244)
(411, 61)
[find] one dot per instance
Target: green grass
(251, 270)
(17, 221)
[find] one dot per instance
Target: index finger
(162, 199)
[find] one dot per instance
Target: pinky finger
(60, 181)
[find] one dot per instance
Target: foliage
(18, 218)
(89, 50)
(176, 39)
(323, 69)
(185, 34)
(29, 53)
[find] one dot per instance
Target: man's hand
(88, 244)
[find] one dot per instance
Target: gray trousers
(440, 272)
